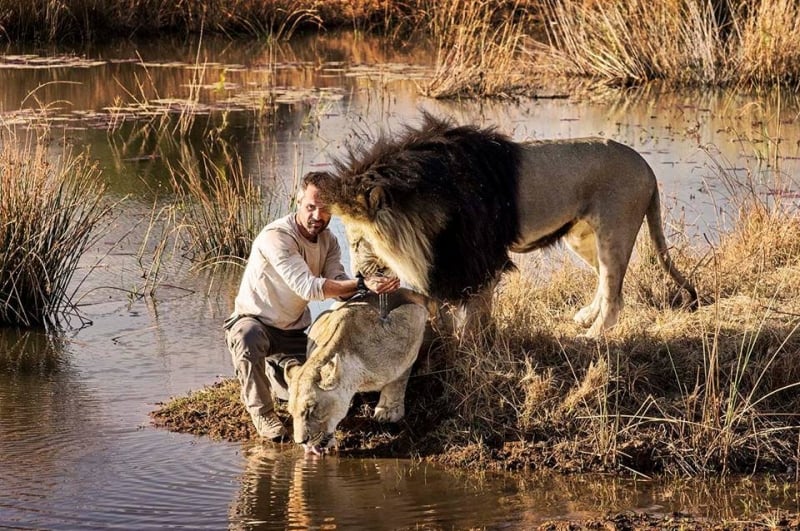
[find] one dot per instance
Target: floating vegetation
(210, 88)
(38, 62)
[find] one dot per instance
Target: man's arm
(337, 285)
(348, 288)
(281, 251)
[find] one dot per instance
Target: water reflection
(282, 489)
(31, 352)
(47, 417)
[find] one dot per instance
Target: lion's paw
(389, 414)
(586, 316)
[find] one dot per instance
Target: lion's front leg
(391, 406)
(588, 314)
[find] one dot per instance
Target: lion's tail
(662, 250)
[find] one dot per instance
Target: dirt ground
(677, 521)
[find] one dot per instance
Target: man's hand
(382, 284)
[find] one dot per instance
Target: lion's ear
(376, 199)
(330, 374)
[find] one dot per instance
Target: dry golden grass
(680, 41)
(49, 208)
(88, 20)
(478, 48)
(714, 390)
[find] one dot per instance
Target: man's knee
(248, 339)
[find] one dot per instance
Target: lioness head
(317, 403)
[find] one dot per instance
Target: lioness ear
(330, 374)
(291, 372)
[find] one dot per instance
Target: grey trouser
(259, 354)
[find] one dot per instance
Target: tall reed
(89, 20)
(681, 41)
(220, 206)
(478, 46)
(50, 206)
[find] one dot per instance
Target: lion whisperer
(441, 207)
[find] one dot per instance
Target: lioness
(441, 206)
(352, 348)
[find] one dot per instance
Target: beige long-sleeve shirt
(284, 272)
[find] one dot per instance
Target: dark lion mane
(466, 175)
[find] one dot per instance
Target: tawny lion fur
(442, 206)
(352, 349)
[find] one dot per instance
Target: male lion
(352, 348)
(442, 205)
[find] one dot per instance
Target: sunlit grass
(679, 41)
(478, 46)
(49, 208)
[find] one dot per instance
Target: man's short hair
(317, 178)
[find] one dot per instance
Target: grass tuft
(478, 45)
(49, 208)
(686, 42)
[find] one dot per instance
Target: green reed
(49, 209)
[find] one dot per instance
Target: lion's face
(317, 405)
(362, 255)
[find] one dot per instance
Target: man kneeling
(293, 261)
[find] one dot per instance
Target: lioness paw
(389, 414)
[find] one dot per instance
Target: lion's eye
(308, 412)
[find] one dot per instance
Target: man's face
(313, 215)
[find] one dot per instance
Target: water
(76, 446)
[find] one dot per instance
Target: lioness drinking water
(352, 349)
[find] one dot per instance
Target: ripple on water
(80, 469)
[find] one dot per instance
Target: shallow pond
(76, 447)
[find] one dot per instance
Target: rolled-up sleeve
(281, 251)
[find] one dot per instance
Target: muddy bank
(685, 522)
(217, 413)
